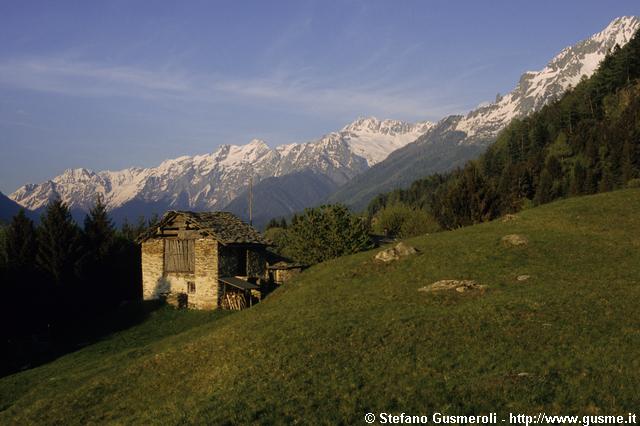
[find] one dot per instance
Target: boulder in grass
(514, 240)
(387, 255)
(395, 253)
(404, 249)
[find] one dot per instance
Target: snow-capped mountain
(211, 181)
(366, 157)
(536, 88)
(374, 140)
(457, 138)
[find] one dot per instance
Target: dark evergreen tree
(22, 278)
(98, 232)
(607, 182)
(95, 266)
(544, 191)
(21, 245)
(127, 231)
(470, 198)
(578, 179)
(628, 171)
(58, 244)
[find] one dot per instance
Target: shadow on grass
(71, 334)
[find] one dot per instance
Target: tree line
(587, 141)
(57, 277)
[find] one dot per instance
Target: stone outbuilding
(283, 270)
(203, 260)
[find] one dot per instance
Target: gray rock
(514, 240)
(405, 250)
(395, 253)
(387, 255)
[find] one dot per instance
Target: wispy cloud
(78, 78)
(300, 89)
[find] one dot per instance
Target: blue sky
(115, 84)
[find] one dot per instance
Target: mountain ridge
(444, 143)
(365, 157)
(9, 208)
(211, 181)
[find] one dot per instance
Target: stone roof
(225, 227)
(282, 265)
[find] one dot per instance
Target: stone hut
(284, 270)
(203, 260)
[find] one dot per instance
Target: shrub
(324, 233)
(633, 183)
(402, 221)
(418, 223)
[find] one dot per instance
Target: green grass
(351, 336)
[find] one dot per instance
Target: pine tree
(140, 227)
(627, 162)
(544, 191)
(607, 180)
(578, 179)
(21, 244)
(58, 244)
(97, 243)
(127, 231)
(98, 232)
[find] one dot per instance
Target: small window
(179, 256)
(191, 287)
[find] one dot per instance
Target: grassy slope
(351, 336)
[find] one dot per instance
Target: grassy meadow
(352, 336)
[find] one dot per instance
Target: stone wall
(282, 276)
(153, 284)
(206, 295)
(157, 283)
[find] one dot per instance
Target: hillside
(583, 143)
(456, 139)
(437, 151)
(351, 336)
